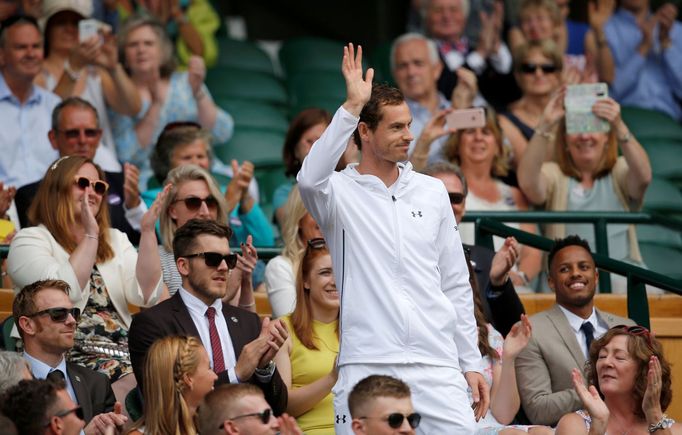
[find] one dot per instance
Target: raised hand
(503, 261)
(651, 402)
(246, 262)
(467, 87)
(667, 14)
(358, 89)
(108, 51)
(88, 219)
(607, 109)
(252, 353)
(646, 26)
(599, 12)
(196, 73)
(518, 338)
(480, 392)
(592, 402)
(148, 222)
(554, 110)
(288, 425)
(278, 334)
(131, 181)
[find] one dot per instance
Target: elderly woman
(166, 95)
(629, 388)
(13, 368)
(280, 280)
(73, 242)
(588, 174)
(483, 160)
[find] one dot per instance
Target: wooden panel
(659, 305)
(669, 332)
(6, 298)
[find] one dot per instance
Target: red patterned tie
(218, 360)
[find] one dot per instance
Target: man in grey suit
(562, 334)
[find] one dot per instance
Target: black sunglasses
(100, 187)
(77, 410)
(193, 203)
(59, 314)
(213, 259)
(456, 197)
(317, 243)
(530, 68)
(264, 417)
(75, 133)
(395, 420)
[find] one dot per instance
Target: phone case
(578, 103)
(466, 118)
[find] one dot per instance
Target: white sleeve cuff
(134, 215)
(502, 60)
(476, 62)
(232, 375)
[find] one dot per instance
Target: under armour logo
(417, 213)
(456, 228)
(340, 418)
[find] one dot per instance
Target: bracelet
(199, 95)
(545, 134)
(73, 75)
(664, 423)
(252, 304)
(90, 236)
(625, 139)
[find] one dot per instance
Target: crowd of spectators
(387, 318)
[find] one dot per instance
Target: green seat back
(263, 148)
(662, 259)
(230, 83)
(255, 115)
(662, 196)
(311, 54)
(244, 55)
(644, 123)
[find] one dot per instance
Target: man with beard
(562, 334)
(239, 347)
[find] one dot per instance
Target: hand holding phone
(466, 118)
(87, 29)
(578, 103)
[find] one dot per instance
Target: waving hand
(358, 89)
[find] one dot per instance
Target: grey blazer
(543, 368)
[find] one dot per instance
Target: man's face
(252, 424)
(455, 190)
(21, 55)
(445, 19)
(375, 421)
(68, 423)
(415, 72)
(573, 277)
(391, 139)
(77, 133)
(41, 331)
(205, 282)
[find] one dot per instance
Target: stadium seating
(649, 124)
(236, 84)
(263, 148)
(310, 54)
(244, 55)
(663, 197)
(255, 115)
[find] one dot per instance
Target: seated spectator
(89, 69)
(25, 109)
(13, 368)
(304, 130)
(46, 320)
(629, 387)
(186, 142)
(193, 194)
(490, 59)
(588, 175)
(42, 407)
(382, 404)
(241, 409)
(280, 280)
(482, 158)
(73, 242)
(562, 334)
(643, 63)
(500, 302)
(537, 68)
(167, 96)
(177, 377)
(76, 132)
(307, 360)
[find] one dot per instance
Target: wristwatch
(664, 423)
(267, 371)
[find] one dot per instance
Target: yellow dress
(309, 365)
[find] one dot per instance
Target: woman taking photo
(307, 360)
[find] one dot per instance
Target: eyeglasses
(100, 187)
(637, 331)
(531, 68)
(317, 243)
(75, 133)
(264, 417)
(395, 420)
(456, 197)
(77, 410)
(193, 203)
(59, 314)
(213, 259)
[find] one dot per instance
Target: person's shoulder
(545, 317)
(88, 375)
(613, 319)
(157, 312)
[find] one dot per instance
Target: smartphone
(466, 118)
(87, 29)
(578, 103)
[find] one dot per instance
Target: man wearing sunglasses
(382, 405)
(46, 320)
(42, 407)
(406, 305)
(562, 334)
(76, 132)
(239, 346)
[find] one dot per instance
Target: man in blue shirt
(25, 109)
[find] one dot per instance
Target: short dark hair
(31, 403)
(372, 387)
(567, 241)
(371, 114)
(24, 303)
(299, 125)
(16, 20)
(76, 102)
(185, 237)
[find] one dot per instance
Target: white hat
(52, 7)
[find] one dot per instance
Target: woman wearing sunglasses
(629, 387)
(73, 242)
(307, 360)
(481, 156)
(537, 69)
(177, 376)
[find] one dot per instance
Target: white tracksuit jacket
(398, 260)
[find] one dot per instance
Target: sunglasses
(59, 314)
(75, 133)
(193, 203)
(531, 68)
(263, 416)
(456, 197)
(317, 243)
(213, 259)
(395, 420)
(100, 187)
(636, 331)
(77, 410)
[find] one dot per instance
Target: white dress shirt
(40, 370)
(576, 322)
